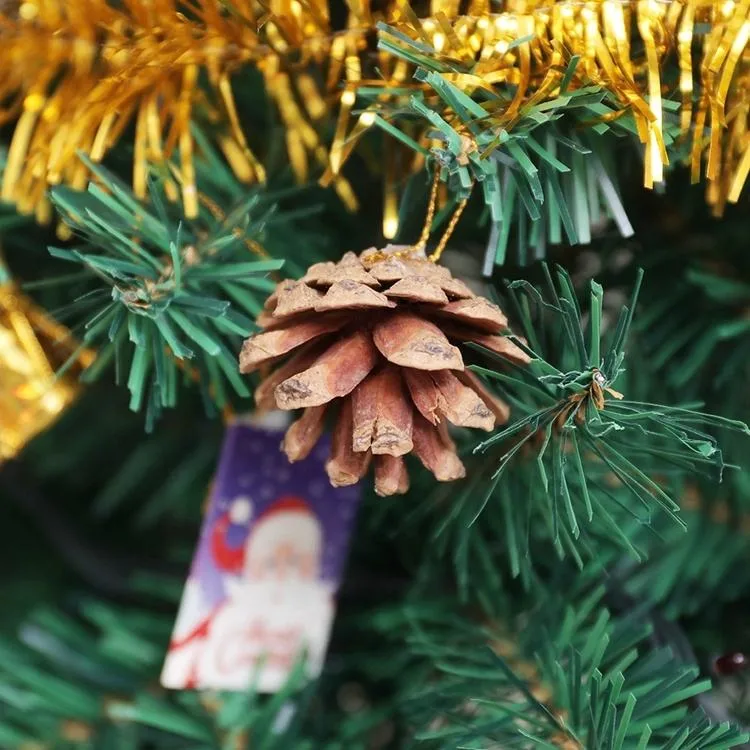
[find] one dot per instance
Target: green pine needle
(182, 293)
(560, 675)
(536, 161)
(590, 464)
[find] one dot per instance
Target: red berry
(731, 663)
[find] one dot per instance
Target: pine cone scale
(382, 415)
(344, 466)
(442, 393)
(296, 298)
(499, 408)
(351, 295)
(304, 433)
(407, 340)
(373, 339)
(417, 289)
(265, 396)
(365, 413)
(436, 452)
(265, 347)
(499, 344)
(460, 404)
(391, 476)
(392, 434)
(477, 312)
(424, 394)
(336, 373)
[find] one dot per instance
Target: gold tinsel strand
(624, 47)
(74, 76)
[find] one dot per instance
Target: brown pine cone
(375, 332)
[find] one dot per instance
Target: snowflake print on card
(261, 590)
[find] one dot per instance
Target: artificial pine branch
(86, 675)
(553, 674)
(687, 574)
(531, 108)
(174, 295)
(591, 466)
(79, 553)
(89, 673)
(580, 677)
(549, 175)
(708, 321)
(576, 401)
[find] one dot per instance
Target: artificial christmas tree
(200, 173)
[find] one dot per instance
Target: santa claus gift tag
(260, 593)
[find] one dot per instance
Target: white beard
(262, 624)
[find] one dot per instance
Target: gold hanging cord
(421, 243)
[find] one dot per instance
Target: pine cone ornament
(377, 333)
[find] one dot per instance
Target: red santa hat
(232, 559)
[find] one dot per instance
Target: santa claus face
(285, 561)
(287, 546)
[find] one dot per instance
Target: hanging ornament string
(419, 247)
(435, 256)
(421, 243)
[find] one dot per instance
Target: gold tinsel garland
(75, 75)
(625, 48)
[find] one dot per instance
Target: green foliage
(86, 676)
(574, 400)
(177, 296)
(596, 474)
(550, 178)
(564, 673)
(590, 465)
(697, 334)
(687, 574)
